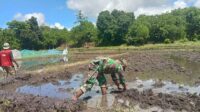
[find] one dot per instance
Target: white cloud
(180, 4)
(197, 3)
(161, 9)
(57, 25)
(91, 8)
(40, 17)
(152, 10)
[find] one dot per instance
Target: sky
(62, 13)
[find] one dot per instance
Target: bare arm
(15, 62)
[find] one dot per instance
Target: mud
(155, 65)
(29, 78)
(147, 98)
(140, 63)
(62, 89)
(191, 56)
(161, 66)
(14, 102)
(147, 61)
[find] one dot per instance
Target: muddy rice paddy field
(158, 81)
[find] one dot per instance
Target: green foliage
(113, 27)
(83, 33)
(28, 35)
(183, 40)
(124, 20)
(105, 26)
(193, 23)
(167, 41)
(138, 34)
(80, 17)
(165, 26)
(196, 37)
(35, 35)
(7, 35)
(54, 37)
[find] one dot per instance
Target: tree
(83, 33)
(80, 17)
(54, 37)
(166, 26)
(7, 35)
(138, 34)
(28, 33)
(106, 25)
(21, 31)
(10, 38)
(123, 21)
(193, 24)
(36, 36)
(113, 27)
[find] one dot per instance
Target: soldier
(101, 66)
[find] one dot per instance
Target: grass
(175, 45)
(123, 48)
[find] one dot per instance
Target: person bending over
(101, 66)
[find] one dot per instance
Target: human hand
(17, 66)
(74, 98)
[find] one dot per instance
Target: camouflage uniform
(103, 66)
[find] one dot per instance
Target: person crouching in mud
(102, 66)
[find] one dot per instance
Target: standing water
(64, 89)
(61, 89)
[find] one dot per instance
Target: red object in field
(5, 58)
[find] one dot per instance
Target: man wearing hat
(101, 66)
(7, 60)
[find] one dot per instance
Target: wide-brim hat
(6, 46)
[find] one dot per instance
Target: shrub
(167, 41)
(195, 39)
(183, 40)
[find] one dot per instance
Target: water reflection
(103, 101)
(187, 73)
(62, 89)
(168, 87)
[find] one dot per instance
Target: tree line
(111, 29)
